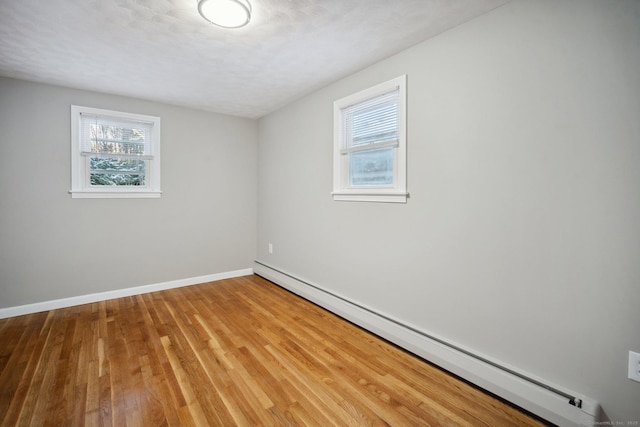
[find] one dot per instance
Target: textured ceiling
(162, 50)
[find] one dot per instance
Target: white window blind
(115, 138)
(371, 124)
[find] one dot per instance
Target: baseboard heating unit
(549, 402)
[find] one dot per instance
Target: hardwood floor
(235, 352)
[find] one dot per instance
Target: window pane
(378, 123)
(114, 171)
(371, 167)
(108, 135)
(114, 140)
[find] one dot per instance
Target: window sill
(370, 197)
(102, 194)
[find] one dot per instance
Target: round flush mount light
(226, 13)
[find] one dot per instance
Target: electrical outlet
(634, 366)
(270, 248)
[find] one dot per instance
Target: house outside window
(370, 144)
(114, 154)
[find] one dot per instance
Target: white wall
(53, 246)
(521, 239)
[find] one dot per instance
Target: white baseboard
(532, 397)
(102, 296)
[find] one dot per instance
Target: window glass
(371, 167)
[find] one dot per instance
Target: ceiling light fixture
(226, 13)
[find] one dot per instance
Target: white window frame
(80, 175)
(395, 193)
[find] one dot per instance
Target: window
(114, 154)
(370, 144)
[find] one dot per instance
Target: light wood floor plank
(240, 352)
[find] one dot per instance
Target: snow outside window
(370, 144)
(114, 154)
